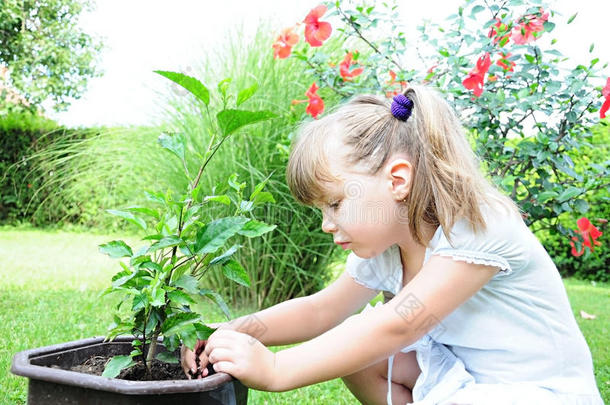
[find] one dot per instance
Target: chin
(365, 253)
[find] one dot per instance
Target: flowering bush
(525, 110)
(161, 280)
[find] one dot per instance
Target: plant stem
(151, 353)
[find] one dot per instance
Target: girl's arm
(292, 321)
(440, 287)
(304, 318)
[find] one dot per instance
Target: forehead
(319, 164)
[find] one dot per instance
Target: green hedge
(20, 135)
(591, 265)
(23, 136)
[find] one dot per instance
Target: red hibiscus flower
(527, 26)
(393, 83)
(505, 63)
(316, 31)
(476, 77)
(345, 65)
(282, 47)
(315, 104)
(499, 31)
(589, 235)
(606, 94)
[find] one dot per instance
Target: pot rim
(22, 366)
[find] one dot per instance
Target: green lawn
(49, 286)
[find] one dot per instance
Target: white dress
(516, 341)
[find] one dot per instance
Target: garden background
(61, 170)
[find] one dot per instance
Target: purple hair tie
(402, 106)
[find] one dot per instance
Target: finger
(221, 354)
(226, 367)
(187, 360)
(216, 343)
(199, 345)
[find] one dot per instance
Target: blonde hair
(447, 183)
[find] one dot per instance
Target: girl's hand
(189, 362)
(188, 358)
(242, 356)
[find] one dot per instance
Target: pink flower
(316, 31)
(498, 32)
(606, 94)
(315, 104)
(527, 26)
(282, 47)
(474, 80)
(505, 63)
(392, 83)
(589, 234)
(344, 68)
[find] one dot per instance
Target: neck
(412, 253)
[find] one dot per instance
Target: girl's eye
(334, 205)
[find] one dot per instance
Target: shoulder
(502, 244)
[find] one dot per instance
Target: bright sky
(146, 35)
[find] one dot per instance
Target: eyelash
(335, 205)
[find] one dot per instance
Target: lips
(343, 244)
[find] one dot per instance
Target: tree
(47, 54)
(525, 111)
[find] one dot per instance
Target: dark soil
(160, 370)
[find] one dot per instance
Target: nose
(328, 225)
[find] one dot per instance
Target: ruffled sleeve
(503, 244)
(378, 273)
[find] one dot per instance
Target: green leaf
(116, 365)
(129, 217)
(591, 48)
(203, 331)
(166, 242)
(190, 83)
(179, 322)
(476, 9)
(180, 298)
(188, 337)
(158, 297)
(246, 94)
(234, 184)
(175, 143)
(223, 85)
(167, 357)
(233, 270)
(264, 197)
(217, 299)
(222, 258)
(188, 283)
(140, 301)
(572, 18)
(230, 121)
(581, 205)
(569, 193)
(116, 249)
(256, 228)
(223, 199)
(546, 195)
(213, 235)
(144, 210)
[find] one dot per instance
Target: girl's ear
(399, 173)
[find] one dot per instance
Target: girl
(479, 313)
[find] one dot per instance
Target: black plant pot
(52, 386)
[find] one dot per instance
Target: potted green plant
(160, 282)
